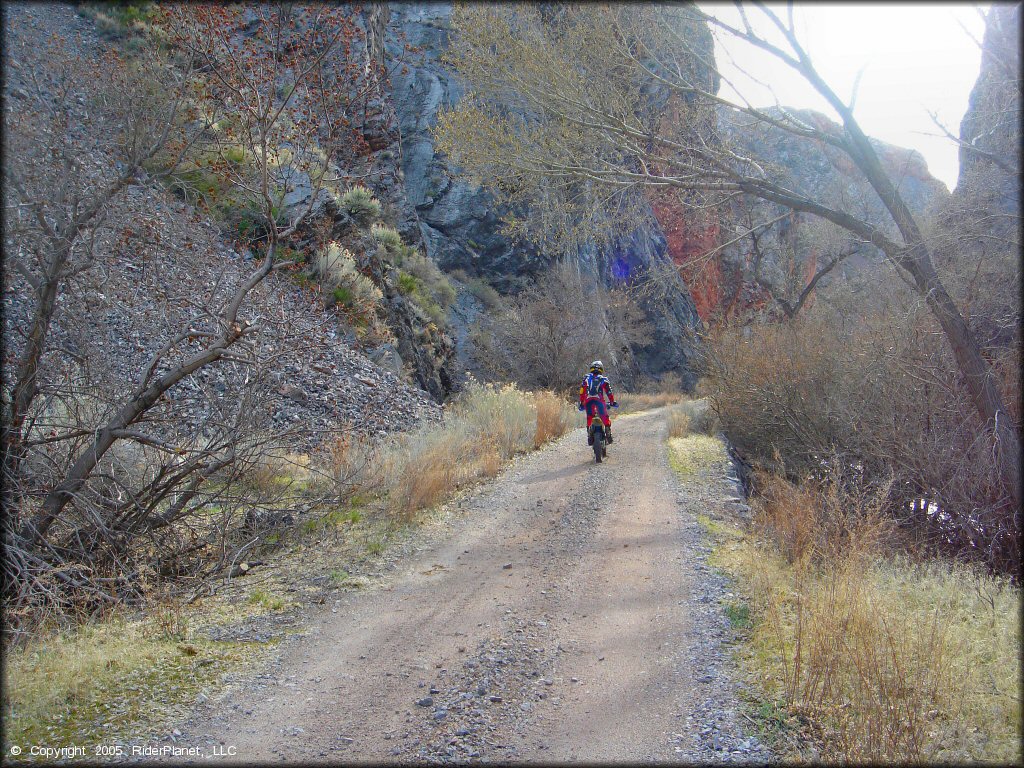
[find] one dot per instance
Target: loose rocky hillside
(159, 262)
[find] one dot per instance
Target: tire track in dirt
(553, 623)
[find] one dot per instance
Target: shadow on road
(558, 474)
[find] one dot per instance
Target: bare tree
(615, 98)
(555, 327)
(96, 459)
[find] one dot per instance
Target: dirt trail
(556, 622)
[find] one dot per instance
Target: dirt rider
(592, 399)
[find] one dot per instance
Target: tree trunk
(917, 260)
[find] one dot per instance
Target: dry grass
(114, 678)
(553, 417)
(111, 678)
(483, 429)
(887, 660)
(279, 472)
(425, 469)
(354, 464)
(632, 402)
(692, 416)
(678, 423)
(696, 457)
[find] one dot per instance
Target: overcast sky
(915, 58)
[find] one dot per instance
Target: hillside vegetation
(106, 676)
(282, 286)
(854, 652)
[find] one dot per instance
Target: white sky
(915, 58)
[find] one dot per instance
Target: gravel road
(566, 615)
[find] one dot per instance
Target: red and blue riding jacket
(592, 392)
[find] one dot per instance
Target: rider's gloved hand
(615, 405)
(579, 408)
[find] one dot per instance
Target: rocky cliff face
(458, 222)
(420, 349)
(990, 129)
(461, 226)
(979, 248)
(787, 253)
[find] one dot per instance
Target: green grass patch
(336, 518)
(112, 679)
(342, 578)
(696, 454)
(719, 529)
(738, 613)
(235, 154)
(343, 296)
(407, 283)
(266, 599)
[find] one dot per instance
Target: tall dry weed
(860, 641)
(678, 423)
(355, 464)
(426, 471)
(553, 417)
(692, 416)
(631, 402)
(487, 425)
(832, 520)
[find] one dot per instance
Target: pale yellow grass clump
(695, 455)
(692, 416)
(631, 402)
(554, 417)
(892, 661)
(678, 423)
(485, 427)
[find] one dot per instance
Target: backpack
(593, 384)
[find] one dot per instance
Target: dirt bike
(597, 437)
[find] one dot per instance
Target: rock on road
(567, 616)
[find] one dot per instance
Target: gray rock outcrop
(979, 250)
(787, 259)
(461, 225)
(990, 129)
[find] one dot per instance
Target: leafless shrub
(820, 391)
(553, 329)
(126, 459)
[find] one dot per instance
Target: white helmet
(597, 366)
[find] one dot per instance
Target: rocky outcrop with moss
(392, 296)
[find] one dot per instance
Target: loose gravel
(563, 612)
